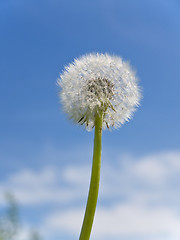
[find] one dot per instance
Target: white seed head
(99, 84)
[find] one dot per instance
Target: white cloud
(31, 187)
(119, 220)
(138, 197)
(150, 178)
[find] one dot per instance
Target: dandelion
(101, 91)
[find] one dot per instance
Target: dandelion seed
(97, 83)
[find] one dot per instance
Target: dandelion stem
(94, 184)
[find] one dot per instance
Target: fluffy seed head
(99, 84)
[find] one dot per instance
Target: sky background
(45, 160)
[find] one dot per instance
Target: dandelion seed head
(99, 84)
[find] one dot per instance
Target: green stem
(94, 185)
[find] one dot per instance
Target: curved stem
(94, 184)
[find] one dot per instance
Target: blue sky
(44, 154)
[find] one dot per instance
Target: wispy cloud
(121, 220)
(139, 197)
(31, 187)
